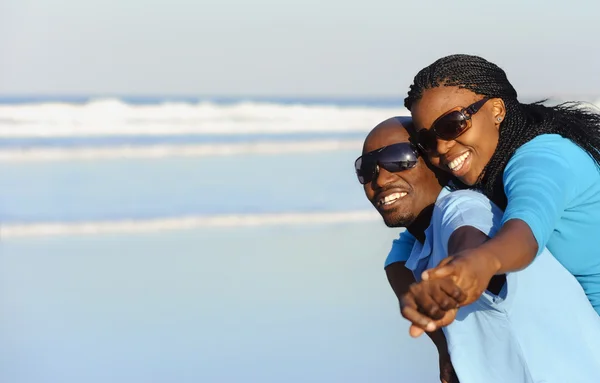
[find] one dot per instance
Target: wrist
(484, 257)
(493, 262)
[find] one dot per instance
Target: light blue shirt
(554, 186)
(541, 328)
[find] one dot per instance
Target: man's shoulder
(463, 200)
(465, 208)
(401, 248)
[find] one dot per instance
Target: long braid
(523, 122)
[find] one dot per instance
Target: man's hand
(447, 373)
(429, 305)
(471, 270)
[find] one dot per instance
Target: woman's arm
(513, 248)
(539, 181)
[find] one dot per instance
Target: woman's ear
(498, 111)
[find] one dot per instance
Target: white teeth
(390, 199)
(458, 162)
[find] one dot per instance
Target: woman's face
(466, 155)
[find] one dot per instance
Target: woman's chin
(469, 179)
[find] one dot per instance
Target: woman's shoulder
(555, 156)
(552, 146)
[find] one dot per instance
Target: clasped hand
(458, 280)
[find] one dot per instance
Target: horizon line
(357, 96)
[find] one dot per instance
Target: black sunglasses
(393, 158)
(448, 126)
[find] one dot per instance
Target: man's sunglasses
(448, 126)
(393, 158)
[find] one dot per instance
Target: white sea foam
(117, 118)
(114, 117)
(160, 151)
(153, 225)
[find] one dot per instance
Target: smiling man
(396, 198)
(404, 199)
(515, 332)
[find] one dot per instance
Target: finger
(444, 301)
(417, 319)
(415, 331)
(448, 318)
(443, 292)
(426, 274)
(445, 261)
(438, 272)
(428, 306)
(453, 290)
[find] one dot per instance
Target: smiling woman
(456, 145)
(537, 162)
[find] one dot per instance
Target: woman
(539, 163)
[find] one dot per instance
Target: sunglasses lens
(398, 166)
(365, 169)
(451, 126)
(393, 158)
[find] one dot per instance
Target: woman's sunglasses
(393, 158)
(448, 126)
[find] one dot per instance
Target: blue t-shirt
(518, 335)
(553, 185)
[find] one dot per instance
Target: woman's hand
(471, 270)
(430, 305)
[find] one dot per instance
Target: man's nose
(383, 177)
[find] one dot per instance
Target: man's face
(399, 196)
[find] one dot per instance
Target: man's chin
(393, 219)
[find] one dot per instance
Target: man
(419, 189)
(515, 332)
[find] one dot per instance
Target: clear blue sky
(294, 47)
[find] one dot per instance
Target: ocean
(155, 239)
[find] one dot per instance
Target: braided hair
(522, 123)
